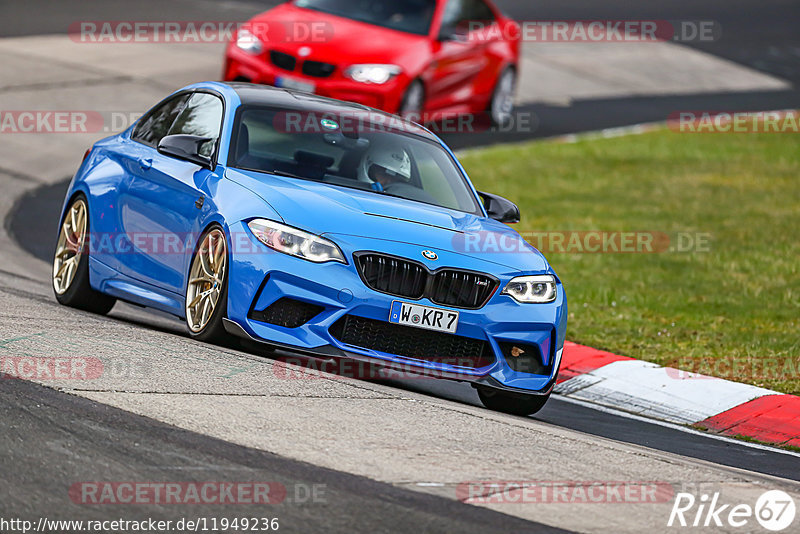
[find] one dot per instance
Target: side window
(202, 116)
(461, 15)
(155, 124)
(480, 12)
(453, 14)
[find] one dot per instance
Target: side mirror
(499, 208)
(185, 147)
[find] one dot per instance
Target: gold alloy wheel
(206, 278)
(69, 251)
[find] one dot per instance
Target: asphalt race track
(389, 456)
(84, 438)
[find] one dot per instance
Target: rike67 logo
(774, 510)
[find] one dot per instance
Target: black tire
(502, 118)
(214, 331)
(79, 294)
(512, 404)
(408, 108)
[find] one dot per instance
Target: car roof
(265, 95)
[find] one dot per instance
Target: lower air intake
(411, 342)
(288, 313)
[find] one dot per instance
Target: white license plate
(292, 83)
(423, 317)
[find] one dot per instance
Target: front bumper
(242, 66)
(262, 277)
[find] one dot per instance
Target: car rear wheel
(512, 404)
(501, 107)
(71, 263)
(207, 288)
(413, 102)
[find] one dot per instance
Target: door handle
(145, 163)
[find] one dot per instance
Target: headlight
(248, 42)
(538, 289)
(377, 74)
(295, 242)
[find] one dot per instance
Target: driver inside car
(387, 166)
(389, 170)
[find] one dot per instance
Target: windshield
(350, 150)
(411, 16)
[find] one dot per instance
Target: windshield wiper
(287, 174)
(391, 194)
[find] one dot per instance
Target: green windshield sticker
(329, 124)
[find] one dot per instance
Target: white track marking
(648, 389)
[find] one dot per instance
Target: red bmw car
(422, 59)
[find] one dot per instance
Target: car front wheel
(71, 262)
(512, 404)
(413, 102)
(207, 288)
(501, 106)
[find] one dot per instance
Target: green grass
(742, 437)
(733, 311)
(699, 427)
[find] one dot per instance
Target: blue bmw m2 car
(317, 226)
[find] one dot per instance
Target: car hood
(341, 39)
(326, 209)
